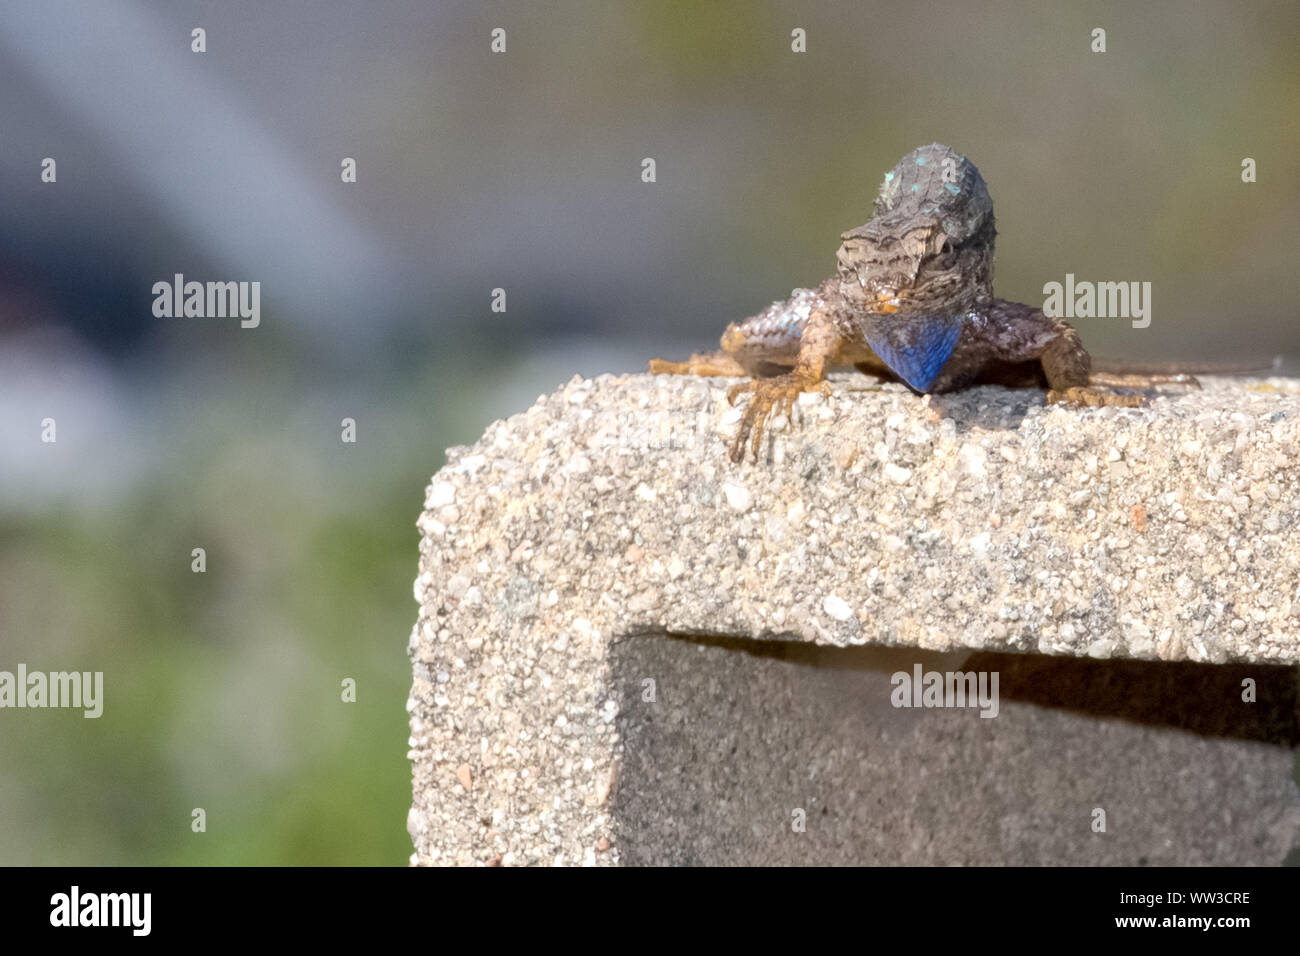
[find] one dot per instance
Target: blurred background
(477, 171)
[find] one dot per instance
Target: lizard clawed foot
(771, 396)
(1086, 395)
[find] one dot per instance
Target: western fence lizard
(912, 299)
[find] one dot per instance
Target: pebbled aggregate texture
(631, 650)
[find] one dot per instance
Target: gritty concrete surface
(554, 721)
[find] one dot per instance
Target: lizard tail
(1173, 369)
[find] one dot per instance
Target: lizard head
(929, 245)
(923, 261)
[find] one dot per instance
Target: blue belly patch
(918, 355)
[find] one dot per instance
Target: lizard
(912, 298)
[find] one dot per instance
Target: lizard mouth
(878, 295)
(888, 300)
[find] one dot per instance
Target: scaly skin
(913, 299)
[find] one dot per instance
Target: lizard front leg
(819, 341)
(1023, 333)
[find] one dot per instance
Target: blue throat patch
(918, 355)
